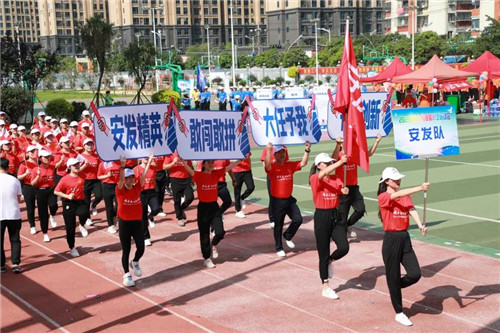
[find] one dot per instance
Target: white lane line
(452, 162)
(34, 309)
(119, 285)
(419, 207)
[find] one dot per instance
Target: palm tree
(95, 36)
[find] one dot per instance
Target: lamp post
(253, 43)
(295, 41)
(329, 33)
(316, 39)
(233, 60)
(138, 36)
(207, 27)
(153, 9)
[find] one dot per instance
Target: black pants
(29, 194)
(209, 216)
(148, 198)
(223, 193)
(328, 225)
(196, 105)
(246, 178)
(355, 200)
(270, 211)
(72, 209)
(95, 186)
(13, 227)
(281, 208)
(160, 185)
(223, 106)
(46, 201)
(127, 231)
(109, 195)
(181, 188)
(397, 250)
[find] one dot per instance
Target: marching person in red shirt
(148, 197)
(6, 152)
(88, 171)
(181, 185)
(43, 180)
(209, 213)
(282, 202)
(326, 188)
(70, 190)
(86, 120)
(51, 143)
(222, 190)
(128, 195)
(24, 174)
(82, 136)
(395, 208)
(108, 173)
(62, 156)
(242, 175)
(22, 140)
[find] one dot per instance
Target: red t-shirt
(325, 191)
(69, 184)
(27, 165)
(88, 121)
(22, 143)
(46, 176)
(150, 181)
(206, 184)
(92, 166)
(61, 171)
(80, 138)
(13, 162)
(351, 174)
(244, 165)
(53, 148)
(129, 203)
(281, 177)
(177, 170)
(395, 213)
(218, 165)
(131, 163)
(105, 167)
(158, 160)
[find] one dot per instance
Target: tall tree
(488, 40)
(95, 35)
(139, 60)
(294, 57)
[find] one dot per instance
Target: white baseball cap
(72, 161)
(390, 173)
(2, 112)
(46, 134)
(54, 120)
(73, 124)
(278, 148)
(31, 148)
(86, 125)
(41, 113)
(323, 158)
(88, 140)
(34, 130)
(48, 118)
(129, 172)
(86, 113)
(64, 120)
(236, 96)
(13, 126)
(5, 142)
(44, 153)
(63, 139)
(21, 128)
(2, 122)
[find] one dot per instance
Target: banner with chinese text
(425, 132)
(284, 121)
(375, 121)
(133, 131)
(263, 93)
(214, 135)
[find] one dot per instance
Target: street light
(329, 33)
(159, 36)
(208, 49)
(316, 38)
(295, 41)
(253, 43)
(153, 9)
(138, 36)
(232, 42)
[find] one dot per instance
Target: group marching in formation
(56, 162)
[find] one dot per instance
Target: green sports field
(463, 205)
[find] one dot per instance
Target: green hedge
(164, 96)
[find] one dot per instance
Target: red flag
(348, 100)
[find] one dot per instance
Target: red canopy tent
(397, 67)
(435, 68)
(487, 62)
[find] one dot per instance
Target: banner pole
(425, 193)
(345, 144)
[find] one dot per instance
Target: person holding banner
(328, 224)
(209, 214)
(149, 197)
(242, 175)
(282, 202)
(222, 190)
(71, 190)
(108, 173)
(128, 196)
(395, 208)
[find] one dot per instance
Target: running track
(250, 290)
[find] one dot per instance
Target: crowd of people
(58, 160)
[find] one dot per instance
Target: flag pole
(425, 193)
(345, 144)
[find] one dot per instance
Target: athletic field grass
(463, 204)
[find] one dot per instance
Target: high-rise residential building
(20, 18)
(487, 8)
(289, 19)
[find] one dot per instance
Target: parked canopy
(487, 62)
(396, 68)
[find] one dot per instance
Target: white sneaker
(33, 230)
(290, 244)
(215, 254)
(351, 233)
(89, 222)
(136, 268)
(151, 223)
(281, 253)
(94, 211)
(271, 224)
(208, 263)
(112, 229)
(213, 233)
(181, 223)
(83, 231)
(149, 209)
(240, 214)
(243, 204)
(46, 238)
(330, 270)
(74, 253)
(147, 242)
(162, 214)
(329, 293)
(182, 200)
(403, 319)
(53, 221)
(128, 281)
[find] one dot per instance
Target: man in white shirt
(10, 215)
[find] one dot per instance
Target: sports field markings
(119, 285)
(461, 140)
(34, 309)
(452, 162)
(419, 207)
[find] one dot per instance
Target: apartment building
(20, 18)
(289, 19)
